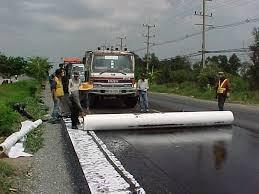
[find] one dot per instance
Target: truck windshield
(111, 63)
(78, 69)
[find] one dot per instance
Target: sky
(59, 28)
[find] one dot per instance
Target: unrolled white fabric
(16, 151)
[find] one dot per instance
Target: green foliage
(208, 75)
(7, 120)
(253, 72)
(10, 66)
(139, 66)
(38, 68)
(181, 75)
(34, 140)
(12, 93)
(238, 84)
(6, 171)
(234, 64)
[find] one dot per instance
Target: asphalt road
(220, 160)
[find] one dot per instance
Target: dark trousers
(221, 101)
(74, 114)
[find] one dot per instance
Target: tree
(38, 68)
(10, 66)
(253, 72)
(223, 63)
(208, 75)
(139, 66)
(234, 64)
(4, 69)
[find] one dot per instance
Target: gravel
(53, 168)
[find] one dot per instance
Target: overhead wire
(231, 25)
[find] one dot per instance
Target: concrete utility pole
(203, 14)
(121, 42)
(148, 36)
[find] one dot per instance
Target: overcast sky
(58, 28)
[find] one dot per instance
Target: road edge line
(137, 189)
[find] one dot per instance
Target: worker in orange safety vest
(222, 90)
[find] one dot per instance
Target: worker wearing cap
(222, 90)
(74, 83)
(142, 88)
(75, 105)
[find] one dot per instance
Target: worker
(57, 94)
(74, 82)
(222, 90)
(142, 89)
(75, 105)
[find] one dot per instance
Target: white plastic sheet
(157, 120)
(8, 146)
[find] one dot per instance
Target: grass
(193, 90)
(34, 140)
(24, 92)
(6, 171)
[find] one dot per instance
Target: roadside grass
(25, 92)
(22, 92)
(193, 90)
(34, 140)
(6, 171)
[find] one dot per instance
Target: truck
(72, 64)
(112, 75)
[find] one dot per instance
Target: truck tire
(130, 102)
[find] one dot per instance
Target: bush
(208, 75)
(7, 120)
(181, 76)
(17, 92)
(238, 84)
(6, 171)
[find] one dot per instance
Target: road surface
(220, 160)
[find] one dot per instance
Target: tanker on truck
(112, 75)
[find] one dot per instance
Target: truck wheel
(130, 102)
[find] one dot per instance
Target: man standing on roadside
(222, 90)
(57, 94)
(75, 105)
(142, 88)
(74, 83)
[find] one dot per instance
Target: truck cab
(112, 74)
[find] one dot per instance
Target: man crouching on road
(222, 90)
(75, 105)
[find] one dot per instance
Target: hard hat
(85, 86)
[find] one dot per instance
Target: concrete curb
(76, 170)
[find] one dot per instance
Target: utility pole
(148, 36)
(121, 42)
(203, 14)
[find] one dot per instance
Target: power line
(203, 14)
(121, 42)
(148, 36)
(193, 54)
(219, 27)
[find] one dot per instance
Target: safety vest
(59, 87)
(222, 89)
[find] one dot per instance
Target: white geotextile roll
(157, 120)
(10, 141)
